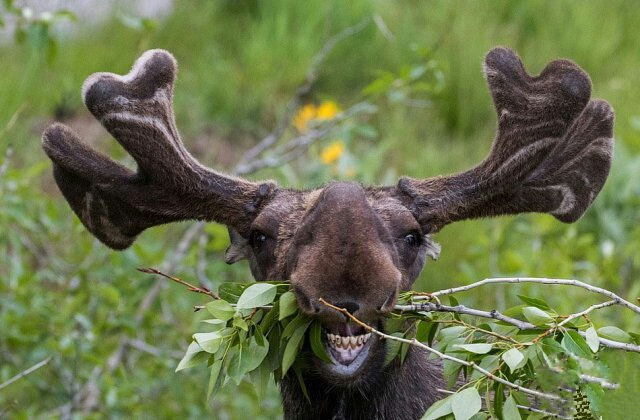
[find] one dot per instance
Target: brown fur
(354, 246)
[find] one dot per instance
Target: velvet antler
(115, 203)
(552, 152)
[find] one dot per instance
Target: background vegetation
(64, 295)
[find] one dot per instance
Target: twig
(188, 237)
(522, 325)
(310, 79)
(586, 311)
(539, 280)
(592, 379)
(189, 286)
(615, 344)
(25, 373)
(461, 309)
(148, 348)
(524, 407)
(444, 356)
(297, 146)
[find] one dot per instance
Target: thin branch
(524, 407)
(592, 379)
(298, 145)
(310, 79)
(461, 309)
(541, 280)
(189, 286)
(444, 356)
(615, 344)
(153, 350)
(25, 373)
(586, 311)
(521, 325)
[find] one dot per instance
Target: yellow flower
(327, 110)
(304, 115)
(332, 152)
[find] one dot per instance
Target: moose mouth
(348, 347)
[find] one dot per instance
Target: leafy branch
(545, 362)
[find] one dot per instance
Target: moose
(354, 246)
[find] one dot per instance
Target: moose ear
(552, 152)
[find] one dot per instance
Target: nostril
(304, 302)
(352, 307)
(390, 303)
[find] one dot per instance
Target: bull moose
(353, 245)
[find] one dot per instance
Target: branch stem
(444, 356)
(25, 373)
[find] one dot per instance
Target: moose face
(347, 245)
(350, 245)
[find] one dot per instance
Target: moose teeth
(352, 341)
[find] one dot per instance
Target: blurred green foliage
(64, 295)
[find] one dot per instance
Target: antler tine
(114, 203)
(137, 110)
(552, 152)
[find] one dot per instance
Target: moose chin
(354, 246)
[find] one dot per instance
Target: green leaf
(270, 318)
(235, 369)
(451, 332)
(510, 410)
(194, 356)
(210, 342)
(213, 378)
(293, 345)
(303, 387)
(592, 339)
(393, 347)
(595, 395)
(260, 378)
(466, 403)
(498, 397)
(288, 305)
(231, 291)
(221, 309)
(317, 346)
(477, 348)
(536, 316)
(573, 342)
(439, 409)
(258, 294)
(615, 333)
(239, 322)
(513, 358)
(294, 324)
(489, 363)
(218, 324)
(451, 372)
(538, 303)
(254, 354)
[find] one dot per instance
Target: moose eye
(412, 239)
(258, 239)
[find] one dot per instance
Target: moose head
(352, 245)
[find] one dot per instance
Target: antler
(115, 203)
(552, 152)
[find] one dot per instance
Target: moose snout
(366, 308)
